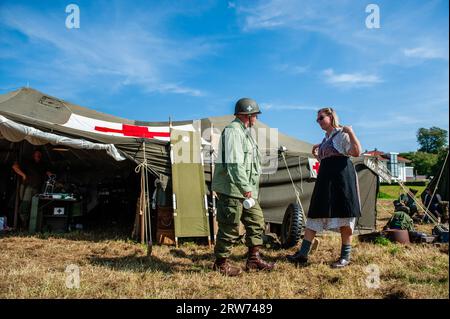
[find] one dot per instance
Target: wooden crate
(165, 236)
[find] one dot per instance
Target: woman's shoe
(341, 263)
(298, 260)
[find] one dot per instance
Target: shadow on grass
(77, 235)
(198, 257)
(134, 263)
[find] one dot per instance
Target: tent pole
(134, 232)
(212, 168)
(16, 202)
(141, 214)
(146, 224)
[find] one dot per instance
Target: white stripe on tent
(15, 132)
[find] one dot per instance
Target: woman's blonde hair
(330, 112)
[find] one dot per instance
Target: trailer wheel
(293, 224)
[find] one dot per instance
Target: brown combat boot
(255, 262)
(225, 268)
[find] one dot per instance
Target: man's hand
(248, 194)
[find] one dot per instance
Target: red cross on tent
(133, 130)
(316, 167)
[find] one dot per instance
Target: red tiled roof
(382, 156)
(402, 159)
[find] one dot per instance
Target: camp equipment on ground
(398, 235)
(2, 222)
(190, 201)
(441, 232)
(418, 237)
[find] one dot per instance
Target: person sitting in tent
(33, 173)
(407, 201)
(433, 203)
(400, 220)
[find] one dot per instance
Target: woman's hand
(347, 129)
(355, 148)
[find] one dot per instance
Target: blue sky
(149, 60)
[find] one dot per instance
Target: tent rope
(438, 180)
(301, 173)
(426, 211)
(297, 193)
(143, 169)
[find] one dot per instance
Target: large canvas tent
(128, 139)
(440, 183)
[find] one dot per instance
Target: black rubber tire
(292, 227)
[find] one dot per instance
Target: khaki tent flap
(188, 183)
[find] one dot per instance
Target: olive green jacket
(238, 166)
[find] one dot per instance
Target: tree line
(433, 147)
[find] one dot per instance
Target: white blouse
(341, 142)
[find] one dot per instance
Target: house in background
(397, 165)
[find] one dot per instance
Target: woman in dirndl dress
(335, 202)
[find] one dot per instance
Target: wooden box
(165, 236)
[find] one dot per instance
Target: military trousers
(230, 211)
(26, 193)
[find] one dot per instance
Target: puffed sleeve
(342, 143)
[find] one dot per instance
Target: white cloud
(388, 122)
(350, 79)
(110, 55)
(415, 34)
(425, 53)
(336, 20)
(283, 13)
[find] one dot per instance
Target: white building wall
(409, 172)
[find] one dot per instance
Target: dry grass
(34, 267)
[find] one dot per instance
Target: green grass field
(393, 191)
(37, 267)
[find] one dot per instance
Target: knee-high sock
(345, 251)
(305, 248)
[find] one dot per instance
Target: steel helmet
(246, 106)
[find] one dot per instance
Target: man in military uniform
(236, 178)
(33, 173)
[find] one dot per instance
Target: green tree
(439, 161)
(431, 140)
(424, 163)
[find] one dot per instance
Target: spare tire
(293, 224)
